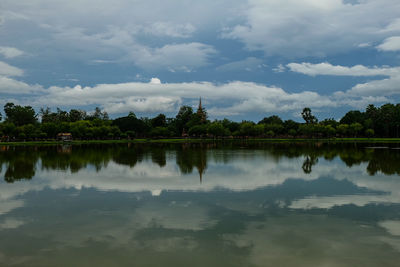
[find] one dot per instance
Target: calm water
(200, 205)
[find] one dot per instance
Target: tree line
(22, 123)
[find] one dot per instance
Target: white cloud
(10, 52)
(279, 69)
(155, 81)
(394, 26)
(242, 97)
(12, 86)
(8, 70)
(385, 87)
(390, 44)
(362, 45)
(152, 104)
(9, 85)
(314, 28)
(375, 91)
(329, 69)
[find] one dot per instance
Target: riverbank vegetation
(22, 123)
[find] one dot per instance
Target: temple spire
(201, 112)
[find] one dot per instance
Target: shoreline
(205, 140)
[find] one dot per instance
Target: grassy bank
(197, 140)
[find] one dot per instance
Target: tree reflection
(20, 162)
(189, 156)
(309, 161)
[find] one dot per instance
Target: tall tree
(76, 115)
(308, 117)
(182, 118)
(159, 121)
(274, 119)
(20, 115)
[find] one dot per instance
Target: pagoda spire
(201, 112)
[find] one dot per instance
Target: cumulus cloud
(9, 85)
(329, 69)
(390, 44)
(386, 87)
(8, 70)
(155, 96)
(12, 86)
(373, 91)
(235, 98)
(227, 99)
(10, 52)
(155, 81)
(313, 28)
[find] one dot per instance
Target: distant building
(65, 137)
(201, 112)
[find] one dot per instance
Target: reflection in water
(310, 161)
(300, 204)
(21, 162)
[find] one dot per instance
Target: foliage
(308, 117)
(21, 124)
(20, 115)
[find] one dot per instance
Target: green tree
(159, 121)
(353, 116)
(330, 131)
(76, 115)
(343, 129)
(355, 128)
(246, 128)
(50, 128)
(198, 130)
(20, 115)
(216, 129)
(308, 117)
(369, 133)
(182, 118)
(160, 132)
(274, 119)
(290, 125)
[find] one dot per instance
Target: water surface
(240, 204)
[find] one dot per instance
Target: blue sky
(246, 59)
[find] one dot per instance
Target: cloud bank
(226, 99)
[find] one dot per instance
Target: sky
(245, 59)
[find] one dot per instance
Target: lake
(209, 204)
